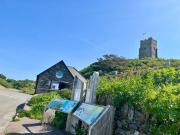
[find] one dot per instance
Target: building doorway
(63, 85)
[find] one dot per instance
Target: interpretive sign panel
(88, 113)
(63, 105)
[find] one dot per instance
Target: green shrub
(164, 76)
(65, 93)
(28, 90)
(24, 113)
(39, 102)
(157, 92)
(21, 84)
(80, 130)
(5, 83)
(60, 120)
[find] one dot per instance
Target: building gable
(55, 74)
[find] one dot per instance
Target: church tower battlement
(148, 48)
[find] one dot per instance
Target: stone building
(57, 77)
(148, 48)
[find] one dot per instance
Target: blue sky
(35, 34)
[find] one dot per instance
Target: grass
(39, 102)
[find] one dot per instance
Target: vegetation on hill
(155, 92)
(26, 86)
(4, 83)
(108, 64)
(150, 85)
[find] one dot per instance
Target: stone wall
(129, 121)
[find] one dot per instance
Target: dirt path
(28, 126)
(9, 100)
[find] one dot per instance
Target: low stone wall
(129, 121)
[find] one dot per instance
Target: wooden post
(77, 91)
(91, 91)
(104, 124)
(77, 94)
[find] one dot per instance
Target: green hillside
(152, 86)
(26, 86)
(108, 64)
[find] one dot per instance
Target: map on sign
(54, 104)
(88, 113)
(63, 105)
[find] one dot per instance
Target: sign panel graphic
(62, 105)
(88, 113)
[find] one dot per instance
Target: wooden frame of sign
(103, 124)
(77, 94)
(88, 113)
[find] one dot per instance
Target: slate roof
(74, 72)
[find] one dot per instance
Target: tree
(3, 76)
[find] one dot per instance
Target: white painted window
(55, 86)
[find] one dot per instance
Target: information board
(63, 105)
(88, 113)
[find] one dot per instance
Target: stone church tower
(148, 48)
